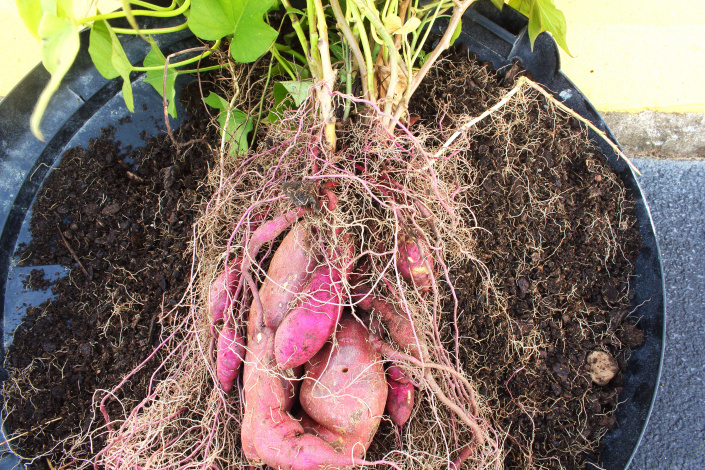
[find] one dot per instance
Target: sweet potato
(269, 434)
(231, 352)
(306, 328)
(222, 290)
(291, 383)
(400, 328)
(345, 390)
(400, 396)
(288, 273)
(414, 261)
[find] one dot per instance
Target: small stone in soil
(602, 367)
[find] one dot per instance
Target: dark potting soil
(559, 239)
(557, 235)
(128, 225)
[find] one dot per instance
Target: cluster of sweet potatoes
(314, 380)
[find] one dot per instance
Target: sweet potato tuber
(345, 390)
(231, 352)
(289, 270)
(269, 434)
(400, 396)
(401, 330)
(306, 328)
(222, 290)
(414, 261)
(291, 383)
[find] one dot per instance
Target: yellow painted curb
(628, 57)
(632, 57)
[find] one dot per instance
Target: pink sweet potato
(414, 261)
(222, 290)
(400, 328)
(400, 396)
(269, 434)
(289, 271)
(231, 352)
(291, 384)
(345, 390)
(307, 327)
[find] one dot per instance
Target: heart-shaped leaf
(243, 19)
(543, 16)
(237, 127)
(156, 77)
(110, 59)
(31, 13)
(60, 44)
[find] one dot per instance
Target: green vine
(381, 43)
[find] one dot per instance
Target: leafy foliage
(362, 38)
(155, 58)
(110, 59)
(288, 95)
(60, 44)
(235, 124)
(543, 16)
(241, 19)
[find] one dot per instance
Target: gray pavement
(675, 436)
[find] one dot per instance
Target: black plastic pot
(86, 103)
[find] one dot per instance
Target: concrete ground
(675, 436)
(642, 67)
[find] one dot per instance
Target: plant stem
(296, 24)
(348, 79)
(282, 62)
(183, 62)
(368, 75)
(458, 11)
(287, 50)
(150, 6)
(172, 29)
(202, 69)
(393, 57)
(261, 100)
(122, 14)
(350, 40)
(328, 76)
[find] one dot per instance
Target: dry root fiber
(387, 187)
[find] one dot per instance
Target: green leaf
(522, 6)
(498, 3)
(543, 16)
(64, 8)
(238, 126)
(31, 13)
(214, 19)
(336, 51)
(101, 50)
(215, 101)
(156, 77)
(297, 90)
(60, 44)
(456, 33)
(127, 8)
(288, 95)
(110, 59)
